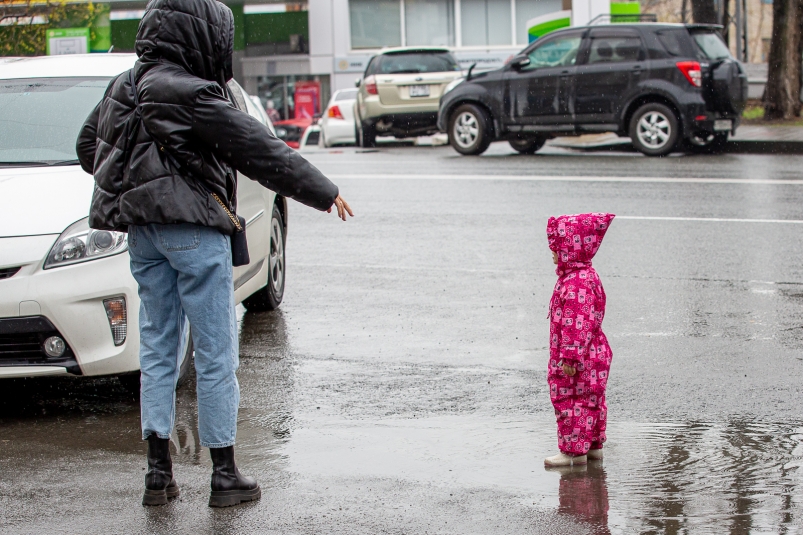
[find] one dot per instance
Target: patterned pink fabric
(576, 338)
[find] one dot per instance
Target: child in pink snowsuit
(579, 354)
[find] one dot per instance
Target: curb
(737, 146)
(747, 146)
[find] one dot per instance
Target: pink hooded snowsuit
(575, 331)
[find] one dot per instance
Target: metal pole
(739, 25)
(746, 54)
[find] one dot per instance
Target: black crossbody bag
(239, 243)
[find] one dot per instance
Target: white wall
(584, 11)
(328, 37)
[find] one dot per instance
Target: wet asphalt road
(401, 386)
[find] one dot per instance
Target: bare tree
(782, 92)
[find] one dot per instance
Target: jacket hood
(576, 238)
(198, 35)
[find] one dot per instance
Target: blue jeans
(184, 272)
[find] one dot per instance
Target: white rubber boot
(595, 455)
(561, 459)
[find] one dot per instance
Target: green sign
(67, 41)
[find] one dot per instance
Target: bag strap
(233, 217)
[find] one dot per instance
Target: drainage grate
(7, 273)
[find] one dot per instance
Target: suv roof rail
(704, 26)
(613, 18)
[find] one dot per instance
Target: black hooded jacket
(192, 135)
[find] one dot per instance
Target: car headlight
(79, 243)
(453, 84)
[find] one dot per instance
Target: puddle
(735, 477)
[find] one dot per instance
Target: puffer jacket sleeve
(251, 148)
(87, 141)
(579, 320)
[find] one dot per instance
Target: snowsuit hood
(576, 238)
(197, 35)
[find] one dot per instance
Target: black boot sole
(227, 498)
(159, 497)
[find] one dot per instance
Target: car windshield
(711, 45)
(416, 63)
(40, 118)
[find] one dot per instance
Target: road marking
(710, 219)
(547, 178)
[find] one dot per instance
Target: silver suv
(400, 91)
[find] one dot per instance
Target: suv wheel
(366, 135)
(654, 129)
(468, 130)
(527, 145)
(270, 297)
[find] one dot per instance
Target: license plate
(419, 90)
(723, 125)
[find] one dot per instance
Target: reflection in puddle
(583, 494)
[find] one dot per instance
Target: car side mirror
(519, 62)
(358, 82)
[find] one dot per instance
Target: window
(711, 45)
(429, 22)
(417, 63)
(615, 49)
(560, 52)
(529, 9)
(672, 41)
(346, 94)
(375, 23)
(381, 23)
(485, 22)
(40, 118)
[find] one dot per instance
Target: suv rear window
(415, 63)
(711, 45)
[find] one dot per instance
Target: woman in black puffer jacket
(156, 170)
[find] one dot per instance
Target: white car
(68, 302)
(337, 123)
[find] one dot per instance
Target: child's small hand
(568, 370)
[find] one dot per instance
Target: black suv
(663, 85)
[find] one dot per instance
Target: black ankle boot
(159, 483)
(229, 486)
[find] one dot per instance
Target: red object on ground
(576, 312)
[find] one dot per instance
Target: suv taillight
(370, 85)
(691, 70)
(334, 112)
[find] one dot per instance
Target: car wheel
(710, 144)
(654, 129)
(366, 135)
(468, 130)
(270, 297)
(527, 145)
